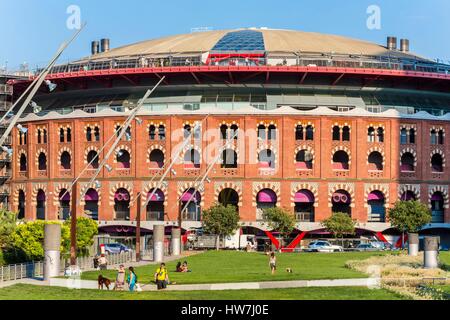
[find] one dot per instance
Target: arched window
(412, 136)
(197, 133)
(39, 136)
(341, 201)
(21, 207)
(224, 132)
(92, 158)
(121, 205)
(266, 159)
(152, 132)
(89, 134)
(309, 133)
(341, 160)
(304, 206)
(234, 132)
(376, 207)
(346, 133)
(123, 159)
(162, 132)
(380, 135)
(69, 135)
(65, 161)
(44, 135)
(155, 206)
(375, 161)
(117, 130)
(190, 205)
(23, 163)
(408, 196)
(229, 159)
(437, 208)
(265, 199)
(42, 162)
(61, 135)
(97, 134)
(336, 133)
(407, 162)
(441, 137)
(156, 159)
(437, 163)
(128, 134)
(40, 205)
(192, 159)
(272, 132)
(91, 204)
(64, 205)
(299, 132)
(433, 137)
(262, 132)
(187, 131)
(304, 160)
(403, 136)
(371, 135)
(229, 197)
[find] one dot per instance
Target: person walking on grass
(161, 277)
(273, 262)
(132, 279)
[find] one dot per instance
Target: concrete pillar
(413, 244)
(158, 243)
(52, 245)
(176, 241)
(430, 256)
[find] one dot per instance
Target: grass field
(29, 292)
(231, 266)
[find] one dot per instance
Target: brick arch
(407, 187)
(85, 188)
(376, 126)
(341, 186)
(155, 185)
(40, 128)
(410, 150)
(231, 147)
(341, 126)
(267, 147)
(341, 148)
(20, 153)
(377, 187)
(229, 124)
(376, 149)
(61, 151)
(34, 193)
(120, 185)
(122, 147)
(229, 185)
(189, 185)
(155, 147)
(305, 186)
(189, 147)
(89, 149)
(266, 124)
(438, 151)
(267, 185)
(437, 129)
(307, 148)
(156, 124)
(17, 189)
(38, 152)
(57, 190)
(441, 189)
(92, 126)
(409, 127)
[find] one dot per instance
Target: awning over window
(375, 196)
(437, 197)
(267, 196)
(188, 196)
(304, 196)
(157, 197)
(91, 195)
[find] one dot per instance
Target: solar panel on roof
(244, 40)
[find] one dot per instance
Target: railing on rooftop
(305, 59)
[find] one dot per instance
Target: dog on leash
(103, 282)
(288, 270)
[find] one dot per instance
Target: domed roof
(267, 40)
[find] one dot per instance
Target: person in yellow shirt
(161, 277)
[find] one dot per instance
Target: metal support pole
(52, 245)
(176, 241)
(158, 243)
(73, 227)
(138, 228)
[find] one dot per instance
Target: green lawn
(29, 292)
(232, 266)
(444, 257)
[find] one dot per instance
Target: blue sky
(33, 30)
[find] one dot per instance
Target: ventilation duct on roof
(404, 45)
(392, 43)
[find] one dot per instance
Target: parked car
(116, 248)
(366, 247)
(323, 246)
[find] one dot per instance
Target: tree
(8, 223)
(279, 220)
(339, 224)
(409, 216)
(86, 230)
(221, 221)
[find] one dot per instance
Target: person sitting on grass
(161, 277)
(179, 267)
(184, 267)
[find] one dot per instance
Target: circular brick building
(309, 122)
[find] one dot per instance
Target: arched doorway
(376, 205)
(304, 206)
(121, 205)
(21, 207)
(230, 197)
(408, 196)
(190, 205)
(40, 205)
(155, 206)
(265, 199)
(91, 204)
(437, 208)
(64, 205)
(341, 201)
